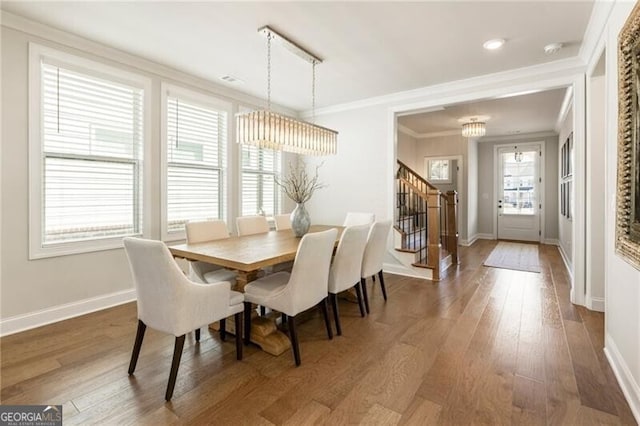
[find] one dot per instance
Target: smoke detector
(552, 48)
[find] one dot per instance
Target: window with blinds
(260, 194)
(92, 150)
(196, 139)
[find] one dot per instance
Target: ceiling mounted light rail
(269, 129)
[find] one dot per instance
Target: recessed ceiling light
(552, 48)
(494, 44)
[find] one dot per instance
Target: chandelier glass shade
(474, 129)
(269, 129)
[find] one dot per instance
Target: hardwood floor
(483, 346)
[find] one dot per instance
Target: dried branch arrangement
(297, 183)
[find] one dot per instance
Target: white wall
(486, 176)
(472, 211)
(358, 178)
(596, 154)
(622, 281)
(44, 289)
(446, 146)
(407, 152)
(565, 230)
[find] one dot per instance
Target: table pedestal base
(264, 333)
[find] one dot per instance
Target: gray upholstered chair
(291, 293)
(202, 231)
(168, 301)
(353, 219)
(374, 257)
(346, 268)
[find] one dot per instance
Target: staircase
(425, 229)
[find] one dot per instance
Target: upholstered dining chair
(346, 267)
(168, 301)
(291, 293)
(208, 230)
(353, 219)
(374, 257)
(249, 225)
(283, 221)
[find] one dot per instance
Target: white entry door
(519, 203)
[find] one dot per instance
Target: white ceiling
(531, 113)
(370, 48)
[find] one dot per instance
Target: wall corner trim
(630, 388)
(53, 314)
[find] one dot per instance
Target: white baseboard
(46, 316)
(552, 241)
(407, 272)
(596, 304)
(565, 259)
(476, 237)
(629, 386)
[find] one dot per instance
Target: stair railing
(426, 218)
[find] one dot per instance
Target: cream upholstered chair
(283, 221)
(346, 267)
(354, 219)
(249, 225)
(208, 230)
(374, 257)
(291, 293)
(168, 301)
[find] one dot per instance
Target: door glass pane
(518, 182)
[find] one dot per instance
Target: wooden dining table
(248, 255)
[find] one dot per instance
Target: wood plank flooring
(482, 346)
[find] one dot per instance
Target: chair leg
(197, 334)
(325, 313)
(238, 319)
(284, 318)
(336, 314)
(142, 327)
(247, 322)
(363, 283)
(360, 299)
(223, 329)
(177, 354)
(384, 290)
(263, 311)
(293, 335)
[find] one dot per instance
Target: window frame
(170, 90)
(280, 203)
(260, 173)
(430, 160)
(38, 53)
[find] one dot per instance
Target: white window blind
(260, 195)
(196, 138)
(92, 149)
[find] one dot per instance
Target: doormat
(516, 256)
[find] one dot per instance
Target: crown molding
(562, 70)
(518, 137)
(113, 56)
(593, 34)
(407, 131)
(567, 102)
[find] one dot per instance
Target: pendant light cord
(313, 92)
(269, 72)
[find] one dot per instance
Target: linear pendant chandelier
(269, 129)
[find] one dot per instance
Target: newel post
(452, 225)
(433, 249)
